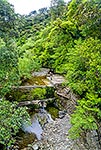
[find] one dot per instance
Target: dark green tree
(7, 20)
(87, 16)
(9, 74)
(57, 9)
(11, 119)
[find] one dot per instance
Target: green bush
(27, 65)
(84, 66)
(11, 119)
(27, 61)
(84, 76)
(86, 116)
(38, 93)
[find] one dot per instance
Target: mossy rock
(53, 111)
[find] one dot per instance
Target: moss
(25, 95)
(50, 92)
(53, 111)
(19, 95)
(38, 93)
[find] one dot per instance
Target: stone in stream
(62, 114)
(56, 79)
(35, 147)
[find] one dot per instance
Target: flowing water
(34, 128)
(30, 133)
(38, 120)
(38, 123)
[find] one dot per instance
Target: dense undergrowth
(65, 37)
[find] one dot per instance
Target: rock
(56, 79)
(41, 72)
(27, 148)
(55, 137)
(62, 114)
(35, 147)
(66, 90)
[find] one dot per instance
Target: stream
(50, 122)
(46, 110)
(38, 123)
(35, 131)
(44, 115)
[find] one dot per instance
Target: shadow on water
(24, 139)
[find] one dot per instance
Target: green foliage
(72, 8)
(87, 16)
(26, 65)
(70, 44)
(54, 43)
(7, 20)
(88, 113)
(8, 65)
(27, 61)
(11, 119)
(57, 9)
(38, 93)
(84, 65)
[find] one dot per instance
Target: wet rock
(35, 147)
(62, 114)
(55, 137)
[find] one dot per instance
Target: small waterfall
(34, 128)
(39, 121)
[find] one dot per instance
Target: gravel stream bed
(55, 136)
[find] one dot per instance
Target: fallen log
(26, 103)
(63, 95)
(69, 96)
(32, 86)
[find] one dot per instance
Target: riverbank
(55, 134)
(55, 137)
